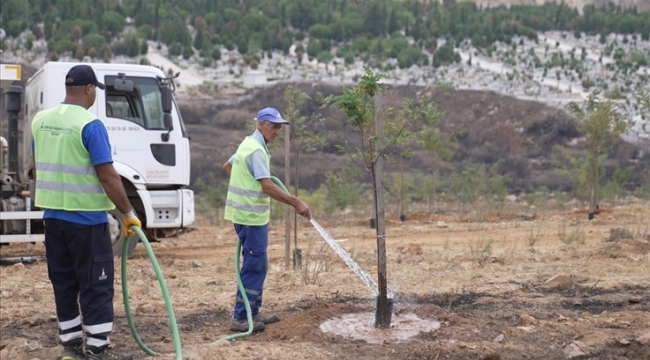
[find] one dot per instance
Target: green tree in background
(320, 31)
(113, 22)
(601, 123)
(375, 19)
(445, 55)
(173, 29)
(340, 21)
(94, 41)
(242, 44)
(313, 48)
(324, 57)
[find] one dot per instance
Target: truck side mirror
(167, 122)
(122, 84)
(166, 97)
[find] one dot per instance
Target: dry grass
(445, 267)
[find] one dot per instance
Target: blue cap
(80, 75)
(270, 114)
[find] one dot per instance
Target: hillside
(519, 136)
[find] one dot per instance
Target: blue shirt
(95, 139)
(256, 162)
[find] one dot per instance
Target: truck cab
(150, 145)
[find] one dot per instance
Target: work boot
(266, 318)
(242, 326)
(72, 352)
(105, 353)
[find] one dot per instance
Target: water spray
(370, 283)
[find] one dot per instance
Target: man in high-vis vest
(248, 206)
(75, 185)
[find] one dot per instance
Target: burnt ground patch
(574, 300)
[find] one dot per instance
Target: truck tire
(117, 234)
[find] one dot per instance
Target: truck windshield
(142, 106)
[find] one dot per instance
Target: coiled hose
(240, 285)
(161, 280)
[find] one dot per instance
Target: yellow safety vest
(246, 203)
(65, 176)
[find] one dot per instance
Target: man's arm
(95, 139)
(113, 187)
(33, 169)
(274, 191)
(226, 168)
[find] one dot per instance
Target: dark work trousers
(255, 264)
(80, 267)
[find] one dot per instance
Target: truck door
(136, 129)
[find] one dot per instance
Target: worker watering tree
(248, 206)
(378, 132)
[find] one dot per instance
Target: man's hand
(227, 168)
(129, 220)
(303, 210)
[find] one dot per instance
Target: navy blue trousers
(80, 267)
(255, 264)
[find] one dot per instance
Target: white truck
(150, 148)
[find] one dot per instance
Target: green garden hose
(161, 280)
(242, 290)
(240, 286)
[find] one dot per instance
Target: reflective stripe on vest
(65, 176)
(246, 203)
(75, 188)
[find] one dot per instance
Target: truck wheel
(117, 234)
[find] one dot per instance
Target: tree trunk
(383, 315)
(593, 187)
(401, 187)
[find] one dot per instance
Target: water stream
(370, 283)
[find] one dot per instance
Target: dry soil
(502, 285)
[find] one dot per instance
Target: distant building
(254, 78)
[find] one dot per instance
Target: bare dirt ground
(506, 285)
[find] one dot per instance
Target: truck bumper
(168, 208)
